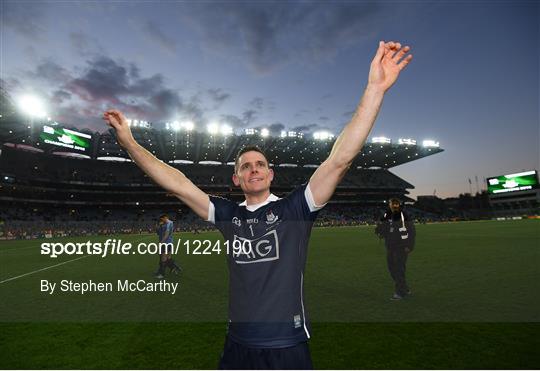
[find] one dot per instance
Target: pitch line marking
(43, 269)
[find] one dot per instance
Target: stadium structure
(53, 175)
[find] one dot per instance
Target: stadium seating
(46, 193)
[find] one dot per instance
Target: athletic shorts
(240, 357)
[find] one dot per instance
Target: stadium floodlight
(249, 131)
(32, 106)
(226, 130)
(175, 126)
(265, 132)
(407, 141)
(430, 143)
(213, 128)
(283, 134)
(188, 125)
(291, 134)
(381, 140)
(322, 135)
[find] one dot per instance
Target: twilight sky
(473, 84)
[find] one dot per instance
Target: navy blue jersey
(165, 230)
(266, 275)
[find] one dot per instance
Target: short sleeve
(220, 210)
(301, 202)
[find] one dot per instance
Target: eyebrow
(259, 162)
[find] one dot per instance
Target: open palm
(119, 123)
(389, 61)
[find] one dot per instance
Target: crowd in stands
(18, 222)
(52, 196)
(39, 222)
(21, 223)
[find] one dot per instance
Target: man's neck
(257, 198)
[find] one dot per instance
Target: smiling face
(252, 173)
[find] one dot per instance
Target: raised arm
(388, 62)
(169, 178)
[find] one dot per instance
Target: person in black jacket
(399, 236)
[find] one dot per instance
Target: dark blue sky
(473, 83)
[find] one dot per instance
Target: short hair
(245, 149)
(163, 216)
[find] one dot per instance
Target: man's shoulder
(296, 195)
(222, 201)
(221, 208)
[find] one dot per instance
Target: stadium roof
(196, 147)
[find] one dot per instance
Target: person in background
(399, 235)
(165, 234)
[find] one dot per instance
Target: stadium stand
(50, 189)
(43, 192)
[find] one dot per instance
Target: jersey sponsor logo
(252, 221)
(258, 250)
(237, 221)
(297, 321)
(271, 218)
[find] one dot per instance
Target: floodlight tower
(32, 107)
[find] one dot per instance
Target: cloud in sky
(218, 96)
(85, 45)
(250, 114)
(24, 18)
(262, 36)
(82, 94)
(310, 128)
(270, 34)
(156, 34)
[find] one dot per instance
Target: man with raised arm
(268, 323)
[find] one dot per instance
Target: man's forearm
(166, 176)
(352, 138)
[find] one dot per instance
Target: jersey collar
(254, 207)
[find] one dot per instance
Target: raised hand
(118, 122)
(391, 58)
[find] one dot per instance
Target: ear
(235, 180)
(271, 174)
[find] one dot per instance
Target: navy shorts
(240, 357)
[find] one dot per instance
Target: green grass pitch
(475, 304)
